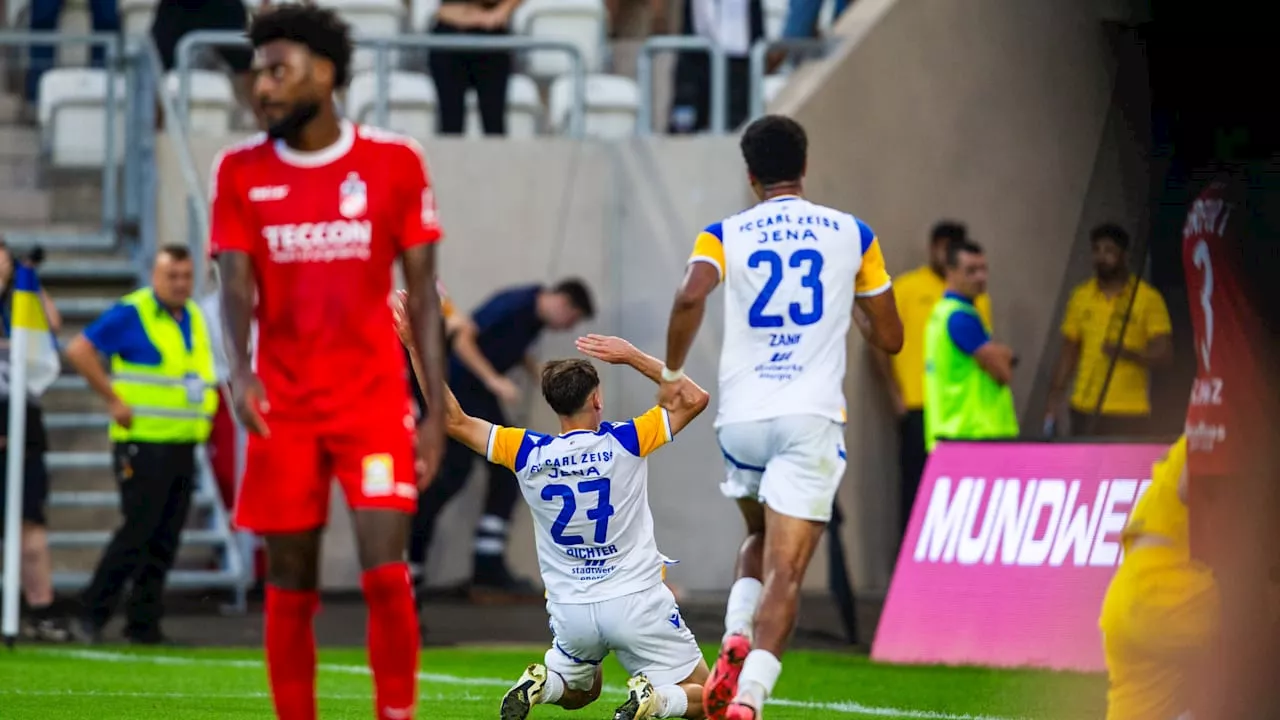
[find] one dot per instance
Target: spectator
(161, 394)
(42, 621)
(454, 72)
(627, 17)
(917, 292)
(45, 15)
(175, 18)
(734, 27)
(1114, 301)
(966, 373)
(498, 338)
(801, 22)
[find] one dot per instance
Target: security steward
(162, 396)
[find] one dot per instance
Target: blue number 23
(600, 513)
(812, 280)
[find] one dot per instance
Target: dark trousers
(502, 493)
(1110, 426)
(45, 15)
(156, 482)
(456, 72)
(911, 459)
(691, 106)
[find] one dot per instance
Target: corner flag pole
(27, 321)
(13, 472)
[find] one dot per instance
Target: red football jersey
(1225, 402)
(324, 230)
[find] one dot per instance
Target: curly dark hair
(318, 28)
(775, 148)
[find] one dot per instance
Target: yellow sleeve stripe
(653, 430)
(709, 249)
(873, 278)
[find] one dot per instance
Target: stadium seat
(136, 16)
(613, 102)
(524, 109)
(580, 22)
(411, 102)
(773, 85)
(212, 101)
(370, 18)
(72, 115)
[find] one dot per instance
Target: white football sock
(759, 675)
(553, 690)
(740, 613)
(672, 701)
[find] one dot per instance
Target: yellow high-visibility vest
(173, 402)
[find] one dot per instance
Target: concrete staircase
(85, 271)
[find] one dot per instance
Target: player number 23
(600, 514)
(807, 258)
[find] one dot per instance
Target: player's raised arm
(230, 241)
(874, 296)
(689, 400)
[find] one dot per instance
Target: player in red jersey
(307, 222)
(1231, 257)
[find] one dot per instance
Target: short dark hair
(579, 295)
(775, 148)
(1112, 232)
(566, 384)
(949, 230)
(175, 252)
(318, 28)
(964, 245)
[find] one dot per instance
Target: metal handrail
(761, 49)
(197, 208)
(682, 43)
(191, 42)
(110, 42)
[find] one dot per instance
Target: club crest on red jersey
(353, 197)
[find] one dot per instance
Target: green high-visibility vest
(961, 401)
(173, 402)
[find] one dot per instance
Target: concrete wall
(992, 111)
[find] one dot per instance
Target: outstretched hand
(606, 348)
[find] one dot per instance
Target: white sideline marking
(847, 707)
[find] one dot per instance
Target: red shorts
(288, 475)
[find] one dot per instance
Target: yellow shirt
(1092, 318)
(916, 293)
(1160, 511)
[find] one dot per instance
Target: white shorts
(792, 463)
(645, 629)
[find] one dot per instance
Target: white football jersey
(791, 270)
(589, 493)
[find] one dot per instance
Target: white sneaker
(525, 693)
(642, 701)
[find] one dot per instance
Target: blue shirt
(966, 329)
(119, 332)
(507, 326)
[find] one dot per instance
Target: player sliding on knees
(588, 490)
(793, 271)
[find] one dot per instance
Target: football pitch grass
(39, 682)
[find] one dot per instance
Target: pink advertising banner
(1008, 554)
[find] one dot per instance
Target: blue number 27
(812, 279)
(600, 514)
